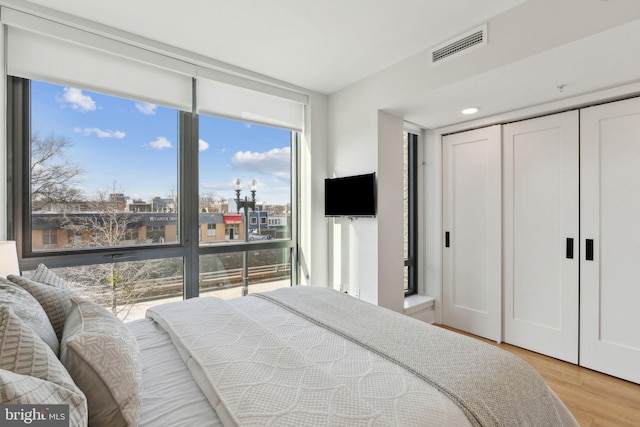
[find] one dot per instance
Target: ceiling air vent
(462, 44)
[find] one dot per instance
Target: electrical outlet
(357, 293)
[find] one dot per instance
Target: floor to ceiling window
(139, 178)
(103, 176)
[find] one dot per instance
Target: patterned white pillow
(55, 301)
(31, 373)
(102, 356)
(48, 277)
(29, 310)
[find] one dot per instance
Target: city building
(55, 230)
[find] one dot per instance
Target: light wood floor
(595, 399)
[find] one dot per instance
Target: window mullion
(189, 197)
(18, 129)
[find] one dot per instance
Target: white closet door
(610, 245)
(541, 261)
(472, 279)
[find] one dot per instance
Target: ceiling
(322, 45)
(329, 46)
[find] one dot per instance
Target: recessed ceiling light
(470, 110)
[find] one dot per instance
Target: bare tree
(117, 285)
(102, 223)
(52, 174)
(210, 202)
(110, 225)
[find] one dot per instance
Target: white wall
(352, 150)
(430, 258)
(390, 212)
(313, 165)
(365, 255)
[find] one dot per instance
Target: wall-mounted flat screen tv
(350, 196)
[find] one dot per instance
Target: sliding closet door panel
(610, 218)
(541, 232)
(472, 279)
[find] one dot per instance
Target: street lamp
(245, 204)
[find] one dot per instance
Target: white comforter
(310, 356)
(259, 364)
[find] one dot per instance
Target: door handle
(446, 239)
(589, 250)
(569, 251)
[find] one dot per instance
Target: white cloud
(275, 162)
(101, 133)
(78, 100)
(203, 145)
(160, 143)
(146, 108)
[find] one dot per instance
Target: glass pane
(104, 170)
(245, 170)
(221, 275)
(127, 289)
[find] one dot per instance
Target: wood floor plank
(594, 399)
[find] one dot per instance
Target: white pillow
(31, 373)
(55, 301)
(48, 277)
(102, 356)
(29, 310)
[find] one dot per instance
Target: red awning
(232, 219)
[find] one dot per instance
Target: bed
(300, 356)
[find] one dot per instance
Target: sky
(133, 146)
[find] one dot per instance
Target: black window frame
(411, 262)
